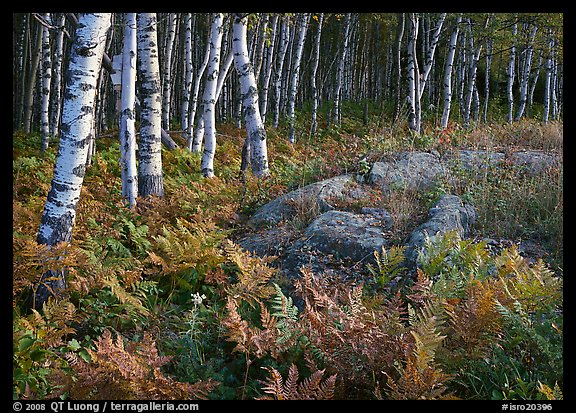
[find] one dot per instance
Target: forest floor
(167, 279)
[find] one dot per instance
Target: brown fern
(133, 371)
(311, 388)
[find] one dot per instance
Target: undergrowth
(161, 303)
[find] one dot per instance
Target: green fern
(286, 313)
(389, 265)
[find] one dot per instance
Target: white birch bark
(167, 84)
(59, 213)
(448, 72)
(45, 90)
(150, 180)
(249, 96)
(511, 74)
(430, 54)
(534, 83)
(487, 78)
(474, 58)
(195, 141)
(413, 76)
(316, 61)
(284, 40)
(547, 83)
(340, 70)
(302, 28)
(207, 163)
(128, 169)
(268, 69)
(31, 84)
(187, 74)
(525, 75)
(57, 76)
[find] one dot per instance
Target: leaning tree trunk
(59, 214)
(207, 163)
(295, 73)
(128, 169)
(525, 75)
(249, 96)
(448, 73)
(195, 142)
(46, 80)
(167, 85)
(340, 70)
(150, 180)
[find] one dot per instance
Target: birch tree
(128, 169)
(256, 139)
(340, 70)
(302, 28)
(525, 74)
(448, 72)
(167, 72)
(187, 74)
(268, 69)
(511, 74)
(316, 61)
(413, 76)
(209, 100)
(398, 63)
(45, 90)
(283, 47)
(57, 76)
(150, 180)
(58, 217)
(195, 141)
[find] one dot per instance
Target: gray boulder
(314, 196)
(448, 214)
(414, 170)
(340, 235)
(534, 161)
(473, 160)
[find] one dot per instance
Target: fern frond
(310, 388)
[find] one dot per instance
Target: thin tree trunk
(430, 54)
(207, 163)
(57, 77)
(128, 169)
(167, 85)
(29, 97)
(46, 80)
(525, 76)
(284, 40)
(195, 141)
(303, 26)
(448, 72)
(313, 86)
(268, 70)
(510, 84)
(59, 214)
(187, 75)
(150, 180)
(249, 96)
(413, 77)
(340, 71)
(398, 62)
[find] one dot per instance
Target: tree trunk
(128, 169)
(268, 70)
(249, 95)
(150, 180)
(46, 79)
(413, 77)
(167, 85)
(313, 86)
(430, 54)
(398, 55)
(510, 84)
(302, 28)
(195, 141)
(284, 40)
(340, 70)
(448, 72)
(57, 77)
(29, 97)
(59, 214)
(207, 163)
(525, 75)
(187, 75)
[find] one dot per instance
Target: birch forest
(254, 206)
